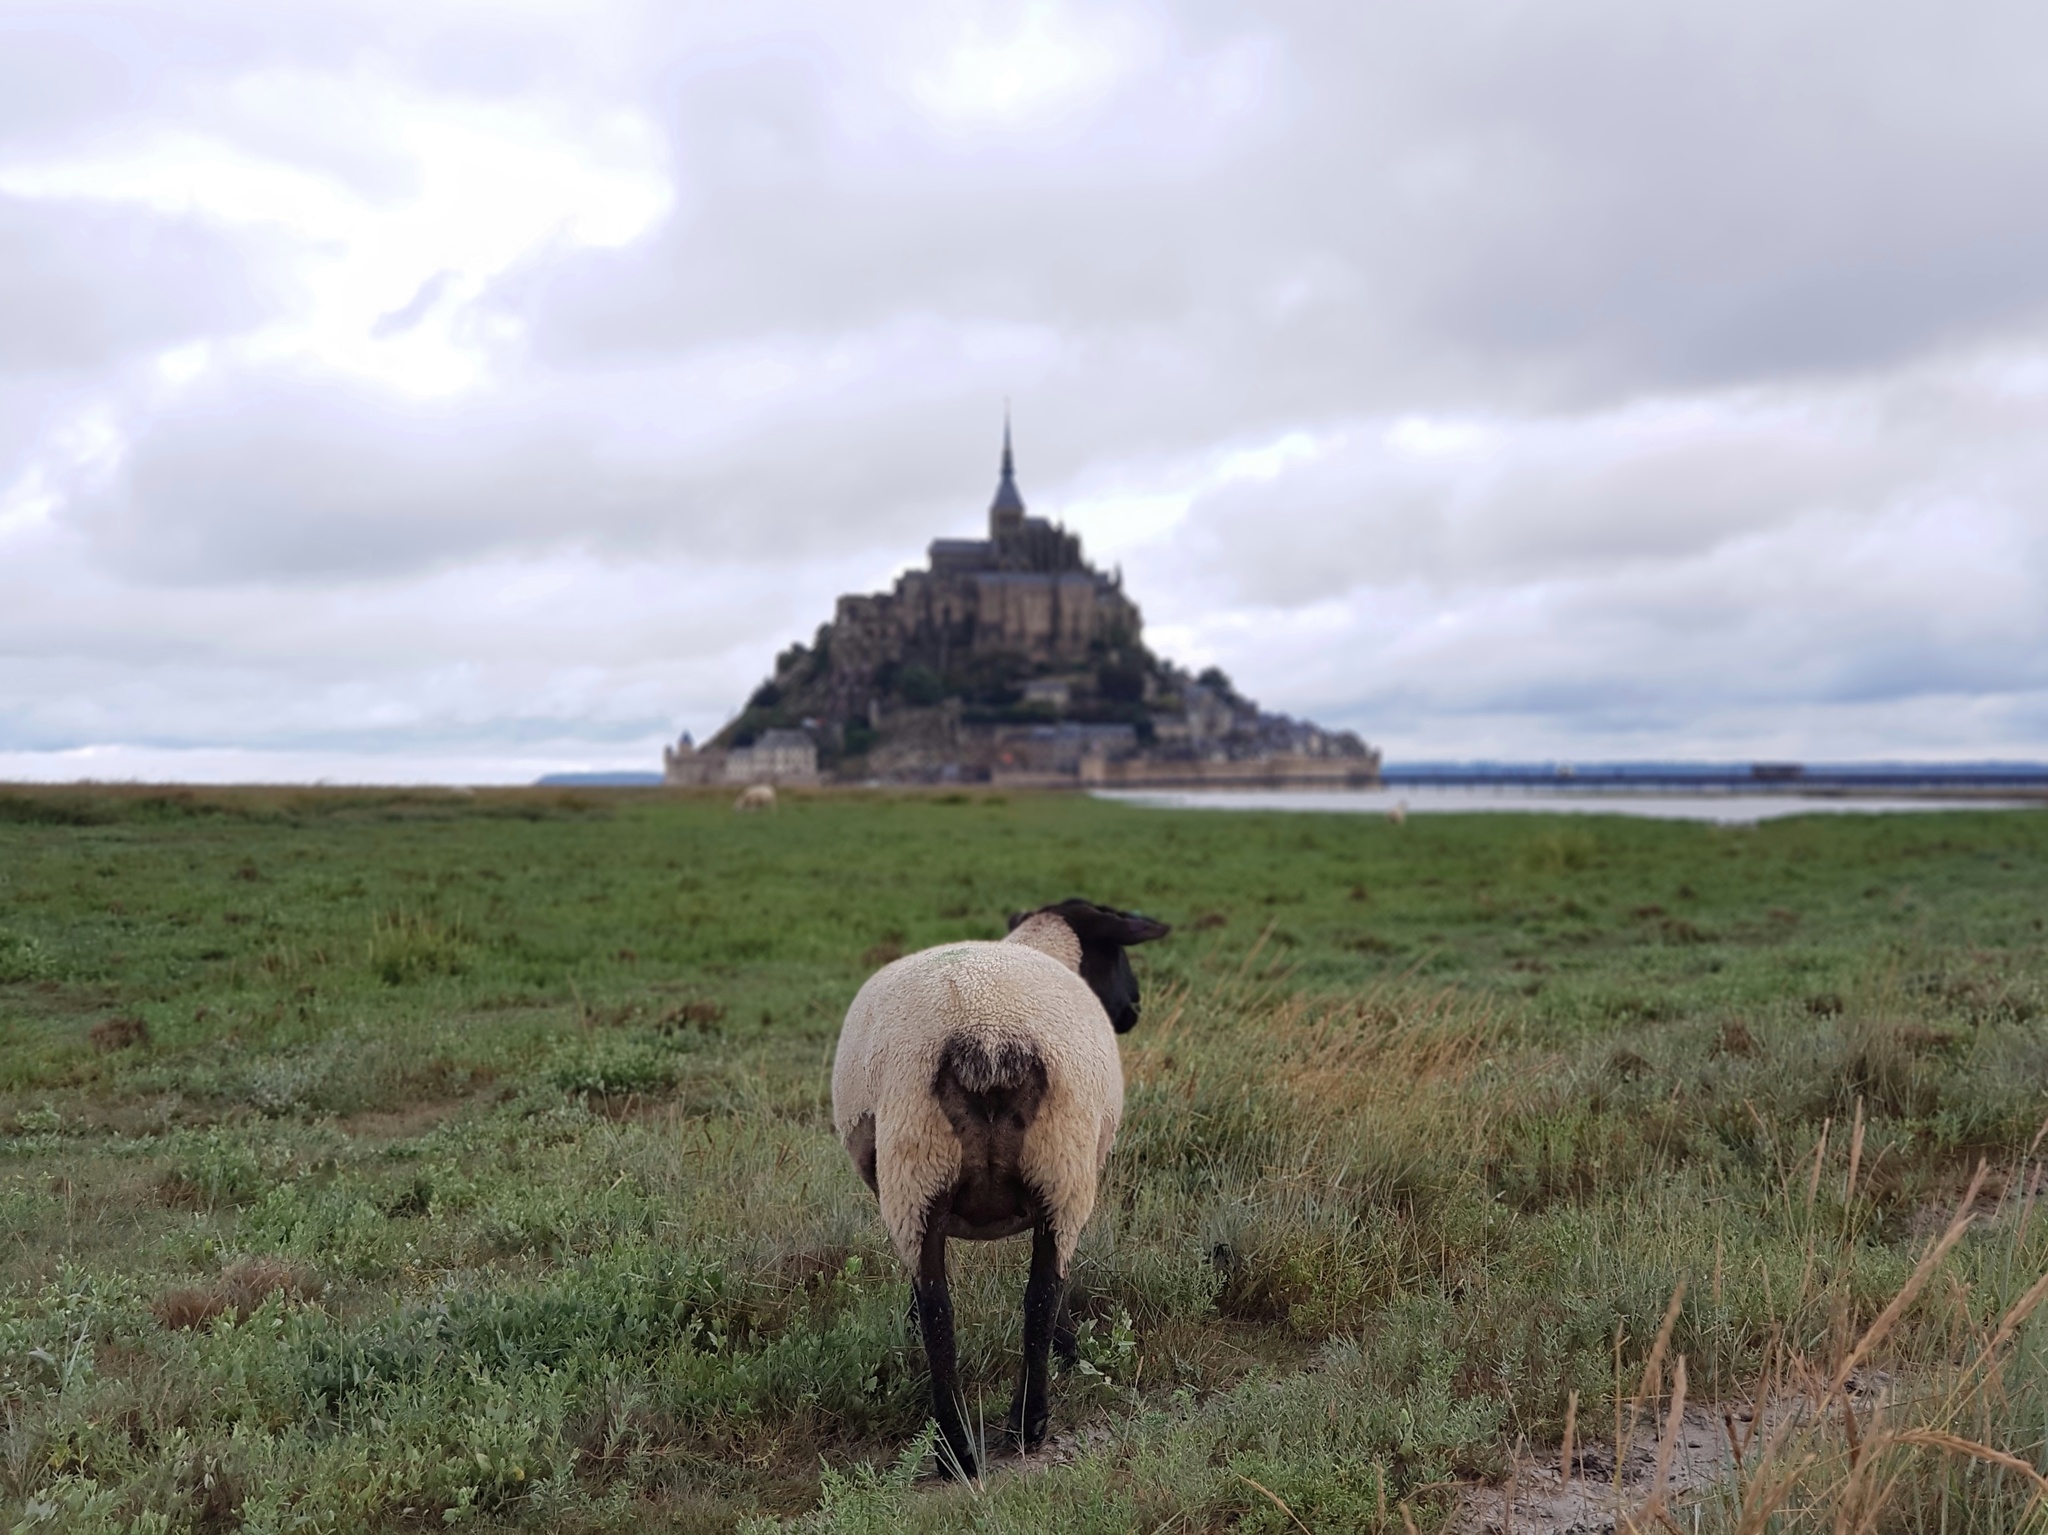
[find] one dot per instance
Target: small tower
(1006, 512)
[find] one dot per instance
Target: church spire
(1006, 512)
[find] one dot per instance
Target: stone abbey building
(1023, 591)
(1007, 658)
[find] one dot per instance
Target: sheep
(760, 796)
(978, 1090)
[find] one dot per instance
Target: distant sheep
(1399, 814)
(760, 796)
(978, 1090)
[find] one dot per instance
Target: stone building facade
(777, 757)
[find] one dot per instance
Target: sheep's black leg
(1031, 1408)
(1066, 1342)
(935, 1322)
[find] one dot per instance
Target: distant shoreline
(1961, 781)
(1965, 779)
(1728, 806)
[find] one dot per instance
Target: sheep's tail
(988, 1080)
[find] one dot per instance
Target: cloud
(549, 658)
(1617, 195)
(1493, 378)
(1683, 572)
(317, 481)
(85, 286)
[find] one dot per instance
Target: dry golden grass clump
(243, 1285)
(112, 1034)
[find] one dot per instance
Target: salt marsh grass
(468, 1159)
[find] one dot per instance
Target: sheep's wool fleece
(1013, 991)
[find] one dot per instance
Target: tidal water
(1733, 808)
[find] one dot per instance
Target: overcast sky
(461, 392)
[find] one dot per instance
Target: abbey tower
(1024, 591)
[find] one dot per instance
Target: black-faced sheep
(978, 1090)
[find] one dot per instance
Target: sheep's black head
(1105, 933)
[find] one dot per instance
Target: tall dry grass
(1949, 1435)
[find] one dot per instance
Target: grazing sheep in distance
(760, 796)
(978, 1090)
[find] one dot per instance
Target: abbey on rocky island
(1007, 659)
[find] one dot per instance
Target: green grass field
(395, 1160)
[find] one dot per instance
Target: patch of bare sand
(1537, 1499)
(1712, 1444)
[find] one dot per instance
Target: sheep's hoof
(1025, 1436)
(951, 1463)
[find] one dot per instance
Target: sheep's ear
(1139, 928)
(1105, 924)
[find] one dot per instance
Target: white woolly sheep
(978, 1090)
(760, 796)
